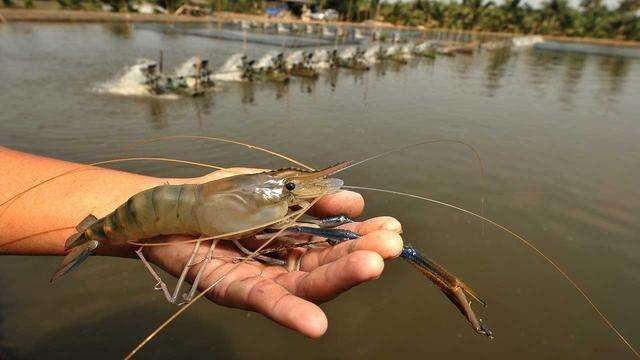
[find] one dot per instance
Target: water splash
(370, 55)
(407, 50)
(347, 53)
(282, 29)
(326, 32)
(266, 60)
(526, 41)
(188, 68)
(423, 47)
(130, 82)
(294, 58)
(309, 29)
(357, 34)
(320, 59)
(231, 69)
(391, 50)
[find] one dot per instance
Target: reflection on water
(156, 112)
(247, 93)
(541, 65)
(558, 138)
(615, 71)
(120, 29)
(574, 69)
(307, 85)
(496, 69)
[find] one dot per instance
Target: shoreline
(8, 15)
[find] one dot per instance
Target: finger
(386, 244)
(347, 203)
(378, 223)
(328, 281)
(267, 297)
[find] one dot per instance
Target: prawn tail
(79, 238)
(79, 246)
(75, 257)
(450, 285)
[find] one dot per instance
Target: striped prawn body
(214, 208)
(162, 210)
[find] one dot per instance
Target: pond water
(557, 133)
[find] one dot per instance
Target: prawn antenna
(211, 138)
(412, 145)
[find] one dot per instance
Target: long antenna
(254, 147)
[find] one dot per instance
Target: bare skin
(288, 298)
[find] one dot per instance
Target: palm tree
(556, 17)
(471, 12)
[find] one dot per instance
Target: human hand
(290, 298)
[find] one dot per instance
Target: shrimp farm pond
(556, 129)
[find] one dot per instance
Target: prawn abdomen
(162, 210)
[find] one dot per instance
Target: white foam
(282, 29)
(347, 53)
(294, 58)
(188, 67)
(327, 32)
(391, 50)
(371, 54)
(230, 70)
(320, 59)
(130, 82)
(266, 60)
(526, 41)
(407, 50)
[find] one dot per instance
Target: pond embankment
(60, 15)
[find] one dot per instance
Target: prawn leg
(203, 264)
(163, 286)
(159, 283)
(263, 258)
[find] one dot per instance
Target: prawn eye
(290, 186)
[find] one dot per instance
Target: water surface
(557, 132)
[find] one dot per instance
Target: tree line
(554, 17)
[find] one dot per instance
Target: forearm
(40, 220)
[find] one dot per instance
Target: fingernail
(392, 225)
